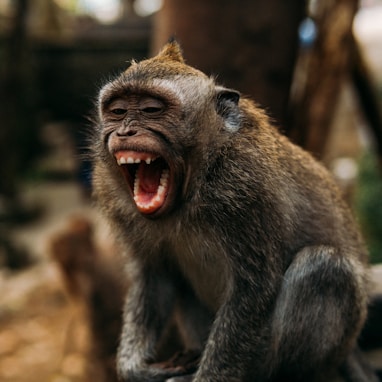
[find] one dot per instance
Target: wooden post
(329, 64)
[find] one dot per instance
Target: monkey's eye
(151, 106)
(152, 110)
(118, 111)
(117, 108)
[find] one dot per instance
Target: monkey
(227, 228)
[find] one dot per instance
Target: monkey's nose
(127, 131)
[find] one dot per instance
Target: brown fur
(254, 247)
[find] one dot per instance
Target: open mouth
(148, 176)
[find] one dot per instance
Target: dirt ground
(42, 337)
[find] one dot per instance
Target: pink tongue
(147, 198)
(149, 178)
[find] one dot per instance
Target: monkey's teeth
(164, 177)
(163, 183)
(130, 160)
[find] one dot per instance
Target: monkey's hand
(179, 368)
(187, 361)
(151, 373)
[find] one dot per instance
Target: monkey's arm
(148, 306)
(240, 335)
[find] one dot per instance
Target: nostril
(127, 132)
(131, 132)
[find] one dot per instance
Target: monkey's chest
(205, 272)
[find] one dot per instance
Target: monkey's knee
(320, 309)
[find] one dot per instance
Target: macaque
(229, 229)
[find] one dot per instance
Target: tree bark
(251, 45)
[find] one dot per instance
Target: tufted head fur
(168, 62)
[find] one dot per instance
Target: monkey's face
(141, 134)
(159, 120)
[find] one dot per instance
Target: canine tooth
(130, 160)
(148, 160)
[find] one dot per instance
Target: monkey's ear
(227, 106)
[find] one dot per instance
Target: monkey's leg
(319, 311)
(148, 306)
(318, 315)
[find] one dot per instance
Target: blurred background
(315, 66)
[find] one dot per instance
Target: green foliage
(368, 204)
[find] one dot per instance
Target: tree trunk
(250, 45)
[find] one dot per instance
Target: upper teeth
(131, 160)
